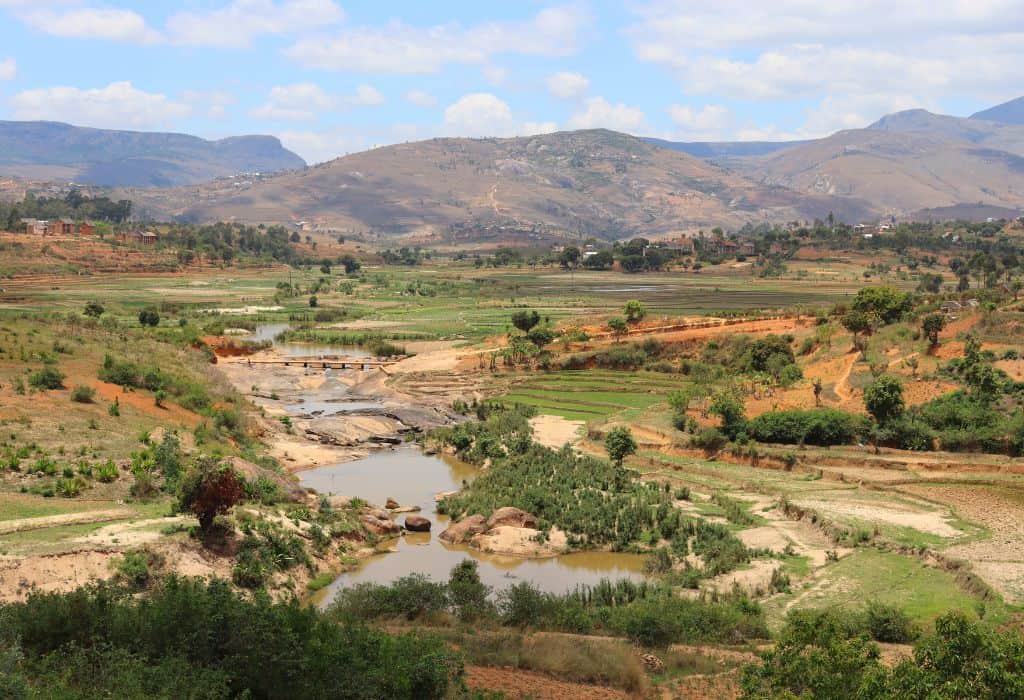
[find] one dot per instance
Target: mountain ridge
(108, 157)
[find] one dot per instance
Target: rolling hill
(1011, 112)
(595, 183)
(55, 151)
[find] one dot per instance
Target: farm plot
(592, 395)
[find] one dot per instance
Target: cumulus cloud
(402, 48)
(215, 102)
(711, 121)
(598, 113)
(110, 24)
(483, 114)
(568, 86)
(117, 106)
(307, 101)
(8, 69)
(421, 98)
(238, 23)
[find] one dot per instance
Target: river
(413, 479)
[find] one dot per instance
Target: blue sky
(331, 77)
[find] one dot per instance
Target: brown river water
(413, 478)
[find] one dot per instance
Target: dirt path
(8, 527)
(842, 387)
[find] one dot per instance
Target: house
(87, 228)
(140, 237)
(64, 227)
(680, 246)
(36, 227)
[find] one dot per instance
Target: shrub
(83, 394)
(46, 378)
(209, 489)
(709, 440)
(820, 426)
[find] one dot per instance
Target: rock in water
(417, 523)
(459, 532)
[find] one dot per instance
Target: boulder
(391, 503)
(416, 523)
(406, 509)
(339, 501)
(512, 517)
(459, 532)
(380, 526)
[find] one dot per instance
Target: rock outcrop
(513, 517)
(459, 532)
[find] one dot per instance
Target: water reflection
(413, 479)
(269, 331)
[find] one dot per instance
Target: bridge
(327, 362)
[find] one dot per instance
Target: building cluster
(59, 227)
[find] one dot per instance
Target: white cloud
(108, 24)
(804, 49)
(568, 86)
(598, 113)
(712, 121)
(365, 96)
(495, 75)
(117, 106)
(307, 101)
(853, 112)
(238, 23)
(321, 146)
(8, 69)
(401, 48)
(421, 98)
(483, 114)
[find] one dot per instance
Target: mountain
(595, 183)
(1011, 112)
(55, 151)
(726, 149)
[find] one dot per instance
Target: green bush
(819, 426)
(46, 378)
(83, 394)
(192, 639)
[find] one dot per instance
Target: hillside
(1011, 112)
(904, 163)
(55, 151)
(598, 183)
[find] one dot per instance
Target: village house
(680, 246)
(140, 237)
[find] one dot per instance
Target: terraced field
(593, 394)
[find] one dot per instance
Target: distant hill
(55, 151)
(726, 149)
(1011, 112)
(591, 183)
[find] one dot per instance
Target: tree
(619, 444)
(313, 302)
(541, 336)
(94, 309)
(818, 387)
(525, 320)
(209, 489)
(884, 399)
(350, 263)
(884, 303)
(635, 311)
(617, 326)
(856, 322)
(731, 411)
(569, 257)
(932, 325)
(325, 267)
(149, 317)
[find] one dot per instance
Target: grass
(922, 592)
(15, 506)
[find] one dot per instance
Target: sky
(333, 77)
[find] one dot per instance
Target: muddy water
(413, 478)
(269, 331)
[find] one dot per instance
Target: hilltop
(595, 183)
(55, 151)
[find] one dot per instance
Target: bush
(192, 639)
(709, 439)
(820, 426)
(46, 378)
(83, 394)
